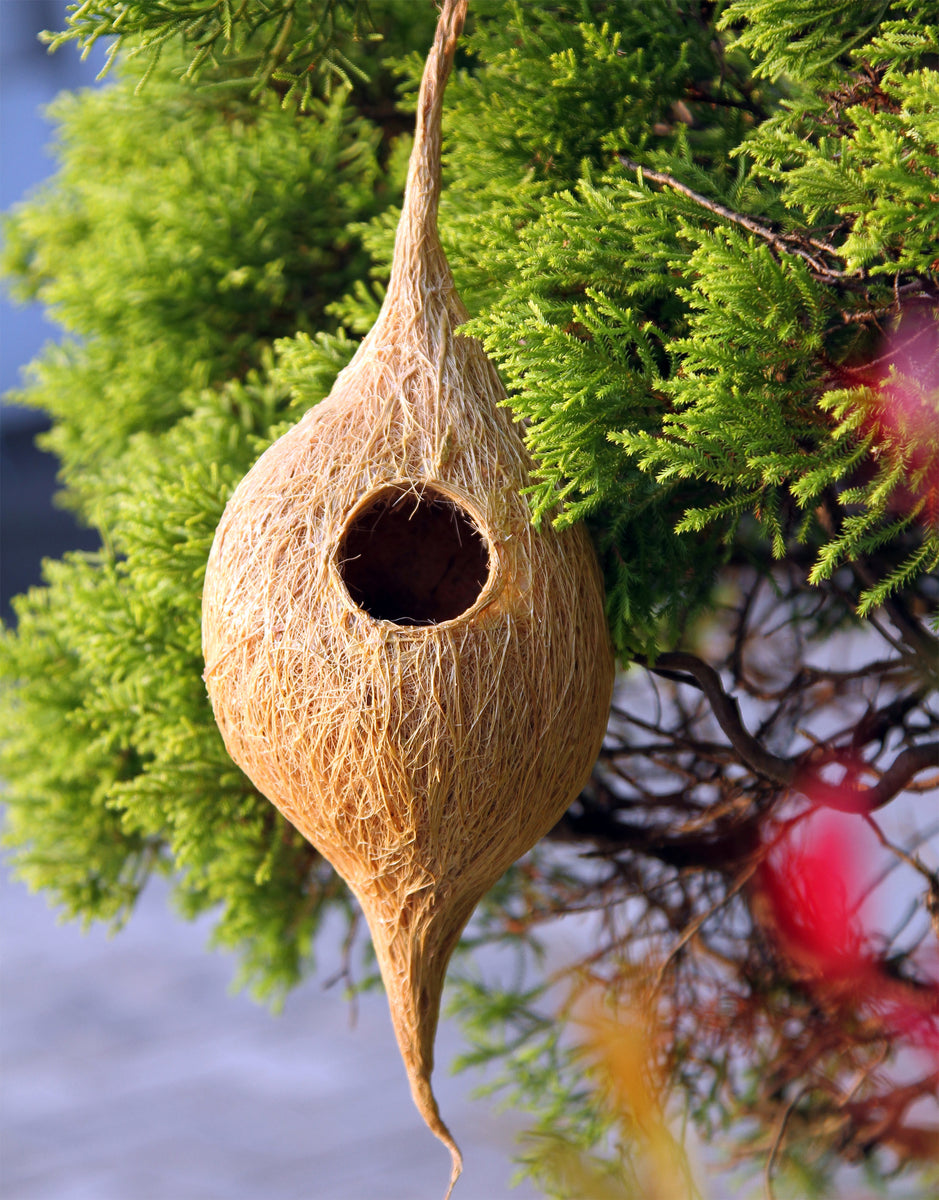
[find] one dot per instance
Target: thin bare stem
(783, 243)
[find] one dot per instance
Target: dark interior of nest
(413, 558)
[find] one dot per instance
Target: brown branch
(784, 243)
(910, 857)
(693, 927)
(914, 292)
(727, 714)
(787, 1112)
(687, 668)
(878, 1120)
(720, 848)
(904, 767)
(700, 95)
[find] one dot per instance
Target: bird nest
(417, 677)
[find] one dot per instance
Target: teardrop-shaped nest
(413, 674)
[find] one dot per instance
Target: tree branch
(904, 767)
(687, 668)
(727, 714)
(784, 243)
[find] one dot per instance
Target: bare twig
(727, 714)
(783, 243)
(793, 772)
(787, 1112)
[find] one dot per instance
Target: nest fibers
(413, 674)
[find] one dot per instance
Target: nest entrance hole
(413, 558)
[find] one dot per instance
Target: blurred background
(129, 1071)
(30, 526)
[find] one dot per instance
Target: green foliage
(691, 236)
(806, 40)
(178, 240)
(182, 236)
(874, 172)
(133, 775)
(581, 339)
(644, 334)
(512, 1032)
(291, 44)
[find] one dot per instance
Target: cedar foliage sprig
(209, 253)
(299, 44)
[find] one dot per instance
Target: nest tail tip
(426, 1104)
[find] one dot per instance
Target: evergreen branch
(679, 364)
(784, 243)
(804, 38)
(914, 292)
(912, 631)
(290, 42)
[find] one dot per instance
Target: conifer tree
(699, 241)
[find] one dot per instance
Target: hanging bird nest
(414, 675)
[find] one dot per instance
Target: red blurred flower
(813, 881)
(903, 411)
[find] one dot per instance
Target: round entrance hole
(413, 558)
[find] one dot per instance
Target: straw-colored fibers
(413, 674)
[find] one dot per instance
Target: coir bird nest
(417, 677)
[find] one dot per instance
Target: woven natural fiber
(421, 752)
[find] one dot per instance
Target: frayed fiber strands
(417, 678)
